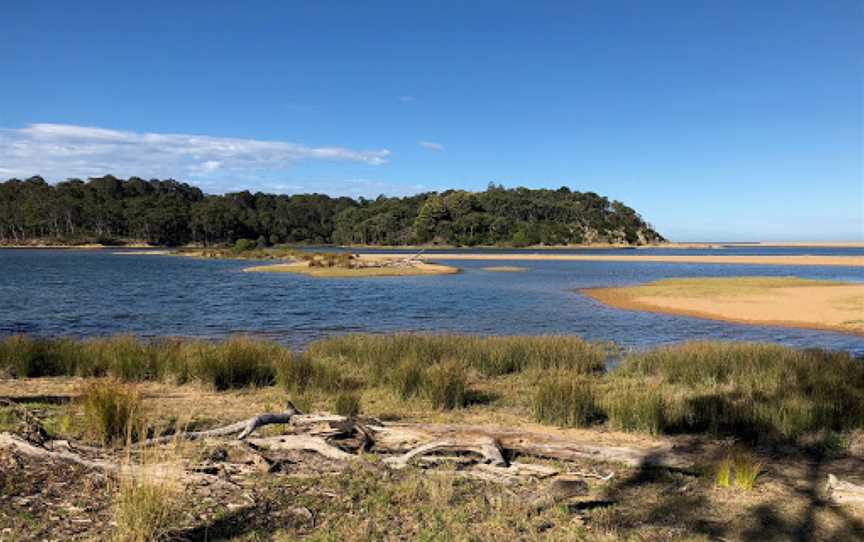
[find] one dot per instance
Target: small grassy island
(323, 264)
(344, 265)
(781, 301)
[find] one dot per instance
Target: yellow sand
(780, 301)
(851, 261)
(418, 268)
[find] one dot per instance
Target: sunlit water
(90, 293)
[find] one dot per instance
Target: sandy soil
(780, 301)
(850, 261)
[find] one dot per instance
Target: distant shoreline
(597, 246)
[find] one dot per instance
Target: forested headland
(109, 210)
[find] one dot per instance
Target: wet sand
(776, 301)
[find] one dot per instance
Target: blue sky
(716, 120)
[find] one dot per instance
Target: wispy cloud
(407, 99)
(58, 151)
(432, 146)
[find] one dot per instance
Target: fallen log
(243, 428)
(486, 447)
(843, 492)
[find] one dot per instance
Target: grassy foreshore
(795, 415)
(780, 301)
(785, 393)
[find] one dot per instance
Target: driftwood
(242, 428)
(481, 452)
(843, 492)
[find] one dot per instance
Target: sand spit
(776, 301)
(847, 261)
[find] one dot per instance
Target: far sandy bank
(780, 301)
(850, 261)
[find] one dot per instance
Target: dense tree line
(108, 209)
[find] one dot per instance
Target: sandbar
(776, 301)
(847, 261)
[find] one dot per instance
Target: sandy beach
(780, 301)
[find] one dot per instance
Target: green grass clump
(347, 404)
(566, 401)
(145, 511)
(738, 469)
(112, 411)
(237, 363)
(445, 385)
(635, 408)
(407, 378)
(491, 356)
(757, 391)
(22, 356)
(300, 373)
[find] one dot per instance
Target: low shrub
(242, 245)
(566, 401)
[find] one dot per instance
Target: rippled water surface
(87, 293)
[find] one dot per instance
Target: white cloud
(407, 99)
(58, 151)
(432, 146)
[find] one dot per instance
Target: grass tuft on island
(781, 301)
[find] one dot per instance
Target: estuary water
(100, 292)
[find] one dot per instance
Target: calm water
(88, 293)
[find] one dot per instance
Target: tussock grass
(445, 385)
(407, 378)
(491, 356)
(347, 404)
(26, 357)
(566, 401)
(236, 363)
(635, 407)
(738, 469)
(145, 511)
(751, 390)
(112, 411)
